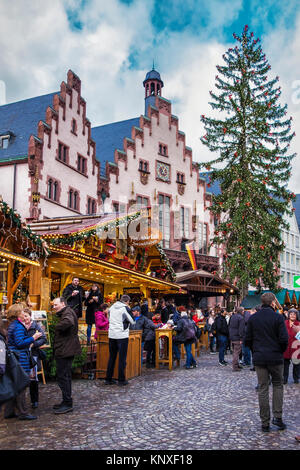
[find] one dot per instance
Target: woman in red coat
(101, 319)
(292, 352)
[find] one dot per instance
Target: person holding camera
(66, 346)
(74, 295)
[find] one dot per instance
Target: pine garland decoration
(70, 239)
(252, 139)
(15, 217)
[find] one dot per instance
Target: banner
(190, 248)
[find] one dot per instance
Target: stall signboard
(131, 290)
(296, 280)
(41, 317)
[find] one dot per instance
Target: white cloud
(282, 48)
(38, 46)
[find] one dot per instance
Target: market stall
(99, 249)
(201, 284)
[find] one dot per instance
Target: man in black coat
(163, 310)
(74, 295)
(66, 345)
(267, 337)
(222, 333)
(236, 335)
(145, 308)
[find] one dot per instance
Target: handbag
(32, 361)
(14, 379)
(7, 391)
(41, 355)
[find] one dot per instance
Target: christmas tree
(251, 138)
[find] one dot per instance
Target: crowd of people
(260, 338)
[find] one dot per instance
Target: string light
(77, 256)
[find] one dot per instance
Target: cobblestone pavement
(208, 408)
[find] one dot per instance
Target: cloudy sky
(111, 45)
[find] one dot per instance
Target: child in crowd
(101, 319)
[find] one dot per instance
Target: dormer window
(4, 141)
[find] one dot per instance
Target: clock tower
(153, 85)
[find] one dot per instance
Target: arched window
(152, 88)
(50, 184)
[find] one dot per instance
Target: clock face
(163, 171)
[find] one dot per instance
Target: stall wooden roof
(116, 270)
(61, 231)
(50, 228)
(200, 280)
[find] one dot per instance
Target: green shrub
(50, 363)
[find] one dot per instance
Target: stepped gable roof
(296, 205)
(110, 137)
(20, 120)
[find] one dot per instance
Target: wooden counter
(168, 359)
(133, 362)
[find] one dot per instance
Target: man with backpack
(148, 336)
(186, 334)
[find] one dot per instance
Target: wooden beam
(3, 242)
(9, 282)
(19, 279)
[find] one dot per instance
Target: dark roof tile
(110, 137)
(21, 120)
